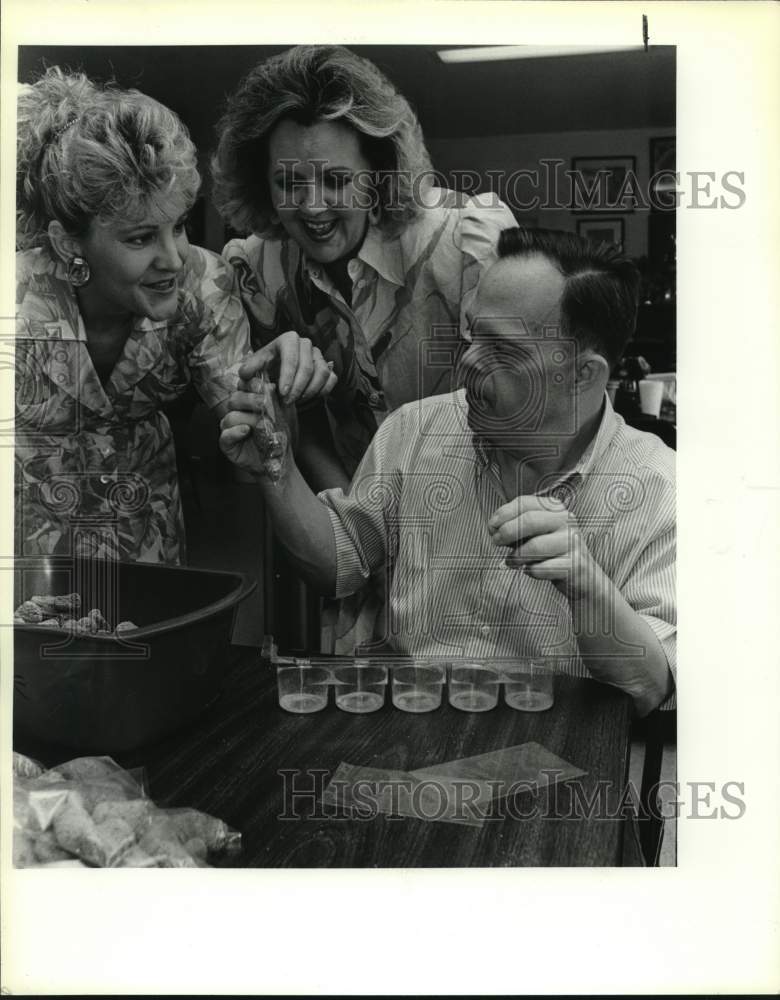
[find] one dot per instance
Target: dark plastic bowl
(109, 693)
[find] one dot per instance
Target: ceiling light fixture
(495, 53)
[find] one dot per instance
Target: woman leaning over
(116, 315)
(322, 162)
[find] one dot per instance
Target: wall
(508, 153)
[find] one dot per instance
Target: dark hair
(601, 295)
(310, 84)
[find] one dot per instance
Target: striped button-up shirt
(419, 505)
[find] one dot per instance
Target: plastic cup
(669, 398)
(360, 687)
(417, 687)
(650, 395)
(528, 686)
(473, 687)
(302, 688)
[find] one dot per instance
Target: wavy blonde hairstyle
(310, 84)
(88, 152)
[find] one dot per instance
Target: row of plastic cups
(417, 685)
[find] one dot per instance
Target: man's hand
(256, 431)
(547, 544)
(295, 365)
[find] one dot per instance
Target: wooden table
(229, 763)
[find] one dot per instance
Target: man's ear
(592, 371)
(64, 245)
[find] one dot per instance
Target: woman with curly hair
(116, 316)
(322, 162)
(350, 242)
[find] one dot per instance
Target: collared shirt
(419, 505)
(101, 456)
(397, 340)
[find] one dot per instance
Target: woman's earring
(78, 272)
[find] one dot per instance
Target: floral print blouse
(95, 463)
(398, 338)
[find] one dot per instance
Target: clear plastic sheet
(456, 791)
(90, 811)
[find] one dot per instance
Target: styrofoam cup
(650, 396)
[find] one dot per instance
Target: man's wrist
(588, 584)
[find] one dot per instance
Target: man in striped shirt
(518, 516)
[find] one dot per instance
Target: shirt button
(61, 378)
(485, 630)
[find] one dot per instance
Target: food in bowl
(59, 612)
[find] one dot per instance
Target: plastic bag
(270, 441)
(90, 811)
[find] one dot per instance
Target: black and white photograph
(310, 482)
(344, 465)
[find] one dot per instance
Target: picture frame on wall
(602, 230)
(598, 183)
(663, 164)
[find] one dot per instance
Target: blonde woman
(116, 315)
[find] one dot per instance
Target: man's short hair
(601, 295)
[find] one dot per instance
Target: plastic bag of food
(271, 442)
(91, 811)
(195, 828)
(101, 779)
(25, 767)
